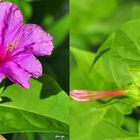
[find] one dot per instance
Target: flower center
(11, 47)
(5, 54)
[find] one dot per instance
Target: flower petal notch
(86, 95)
(19, 44)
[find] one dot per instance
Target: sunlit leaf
(42, 108)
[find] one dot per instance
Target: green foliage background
(105, 56)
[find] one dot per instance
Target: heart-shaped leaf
(42, 108)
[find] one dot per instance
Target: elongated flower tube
(86, 95)
(19, 44)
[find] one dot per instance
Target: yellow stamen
(11, 47)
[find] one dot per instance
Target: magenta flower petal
(29, 63)
(19, 44)
(32, 38)
(10, 21)
(16, 74)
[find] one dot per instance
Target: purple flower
(19, 44)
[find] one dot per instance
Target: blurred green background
(52, 16)
(92, 22)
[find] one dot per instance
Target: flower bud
(86, 95)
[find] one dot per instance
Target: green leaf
(42, 108)
(130, 124)
(130, 138)
(53, 136)
(80, 73)
(88, 115)
(24, 136)
(122, 58)
(40, 136)
(82, 119)
(95, 79)
(2, 85)
(105, 130)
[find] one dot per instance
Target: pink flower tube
(85, 95)
(19, 44)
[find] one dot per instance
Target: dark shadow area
(49, 87)
(5, 99)
(56, 65)
(52, 7)
(59, 62)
